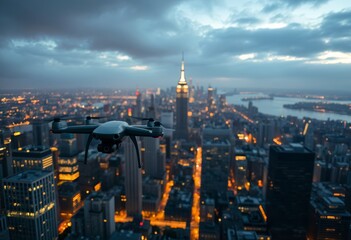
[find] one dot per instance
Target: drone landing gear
(133, 138)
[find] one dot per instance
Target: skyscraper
(289, 185)
(182, 106)
(30, 205)
(216, 155)
(211, 102)
(133, 183)
(5, 162)
(68, 160)
(89, 173)
(138, 106)
(152, 146)
(40, 133)
(4, 230)
(167, 121)
(99, 210)
(68, 145)
(265, 132)
(5, 156)
(328, 216)
(32, 157)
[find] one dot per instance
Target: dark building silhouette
(182, 106)
(5, 162)
(289, 184)
(138, 105)
(133, 180)
(4, 230)
(40, 133)
(69, 199)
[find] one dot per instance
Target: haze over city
(123, 44)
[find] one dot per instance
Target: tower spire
(182, 71)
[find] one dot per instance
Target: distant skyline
(298, 44)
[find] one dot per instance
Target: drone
(111, 134)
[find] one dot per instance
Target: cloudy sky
(139, 43)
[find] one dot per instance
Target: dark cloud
(61, 43)
(271, 7)
(274, 5)
(295, 40)
(295, 3)
(292, 40)
(129, 26)
(337, 24)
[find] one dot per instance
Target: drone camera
(105, 148)
(115, 136)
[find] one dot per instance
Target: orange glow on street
(195, 210)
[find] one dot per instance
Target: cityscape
(226, 171)
(166, 120)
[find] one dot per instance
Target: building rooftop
(291, 148)
(128, 235)
(32, 151)
(98, 196)
(246, 200)
(29, 176)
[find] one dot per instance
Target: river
(275, 107)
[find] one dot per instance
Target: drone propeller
(89, 118)
(55, 118)
(94, 117)
(144, 119)
(159, 124)
(133, 138)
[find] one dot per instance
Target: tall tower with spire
(182, 106)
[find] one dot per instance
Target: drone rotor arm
(76, 129)
(138, 131)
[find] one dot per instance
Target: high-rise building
(30, 205)
(151, 110)
(68, 168)
(5, 156)
(240, 168)
(265, 132)
(40, 133)
(151, 145)
(216, 156)
(89, 173)
(69, 199)
(154, 162)
(32, 157)
(211, 102)
(320, 172)
(99, 211)
(182, 106)
(4, 230)
(167, 122)
(68, 145)
(18, 140)
(289, 184)
(138, 106)
(133, 183)
(328, 216)
(5, 162)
